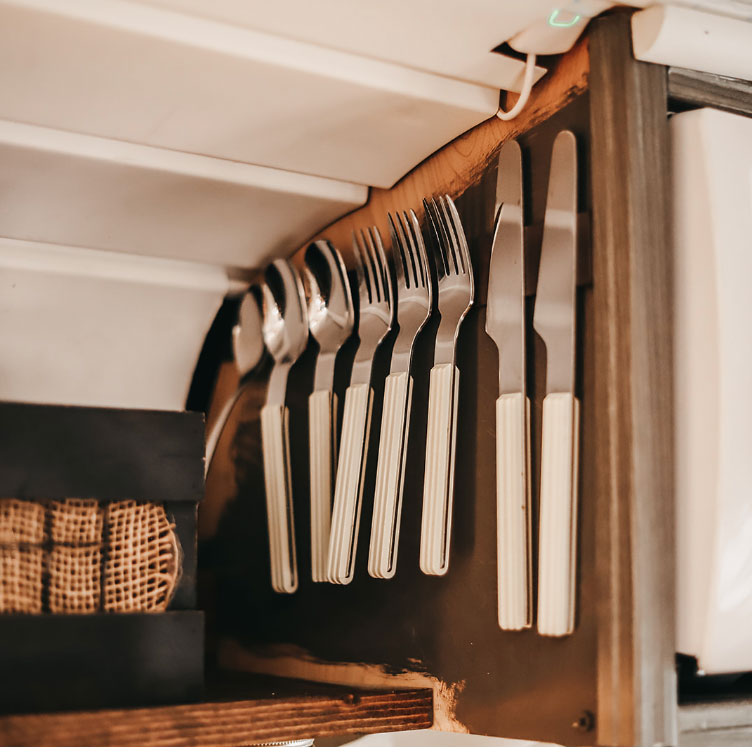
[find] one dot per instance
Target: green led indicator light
(553, 20)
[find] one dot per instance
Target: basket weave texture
(82, 556)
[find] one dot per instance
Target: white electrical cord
(527, 85)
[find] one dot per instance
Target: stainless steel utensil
(554, 320)
(248, 349)
(505, 324)
(414, 295)
(330, 319)
(376, 300)
(455, 297)
(286, 335)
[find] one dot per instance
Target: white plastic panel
(131, 72)
(85, 327)
(70, 189)
(442, 36)
(712, 187)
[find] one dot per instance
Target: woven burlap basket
(82, 556)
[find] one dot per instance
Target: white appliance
(712, 188)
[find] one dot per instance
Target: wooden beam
(632, 298)
(280, 715)
(696, 89)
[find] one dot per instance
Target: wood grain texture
(282, 714)
(688, 88)
(633, 392)
(463, 161)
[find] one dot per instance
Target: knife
(505, 324)
(554, 320)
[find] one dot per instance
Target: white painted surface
(712, 186)
(70, 189)
(131, 72)
(442, 36)
(85, 327)
(687, 38)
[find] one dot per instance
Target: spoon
(248, 349)
(285, 330)
(330, 319)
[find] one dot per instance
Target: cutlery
(248, 349)
(505, 324)
(330, 320)
(376, 304)
(285, 331)
(554, 320)
(413, 297)
(454, 298)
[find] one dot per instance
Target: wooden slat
(709, 724)
(697, 89)
(463, 162)
(633, 391)
(282, 715)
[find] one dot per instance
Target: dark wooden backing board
(59, 662)
(53, 452)
(517, 685)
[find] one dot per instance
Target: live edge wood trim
(234, 723)
(632, 298)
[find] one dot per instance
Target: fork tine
(422, 256)
(441, 266)
(382, 267)
(460, 232)
(451, 235)
(398, 255)
(367, 258)
(409, 250)
(450, 261)
(364, 294)
(378, 263)
(420, 280)
(405, 252)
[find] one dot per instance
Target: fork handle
(390, 475)
(348, 488)
(558, 515)
(275, 442)
(513, 510)
(438, 483)
(322, 442)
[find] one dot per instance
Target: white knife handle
(513, 510)
(275, 443)
(390, 476)
(557, 545)
(438, 483)
(322, 442)
(348, 489)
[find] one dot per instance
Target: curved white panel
(135, 73)
(70, 189)
(81, 327)
(712, 187)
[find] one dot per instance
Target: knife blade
(554, 320)
(505, 324)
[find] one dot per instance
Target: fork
(414, 295)
(376, 297)
(454, 298)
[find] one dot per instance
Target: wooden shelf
(243, 711)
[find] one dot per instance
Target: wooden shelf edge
(286, 715)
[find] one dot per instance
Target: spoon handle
(322, 442)
(348, 489)
(390, 476)
(275, 441)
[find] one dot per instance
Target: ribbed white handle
(322, 442)
(275, 444)
(438, 483)
(558, 515)
(390, 476)
(513, 510)
(348, 489)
